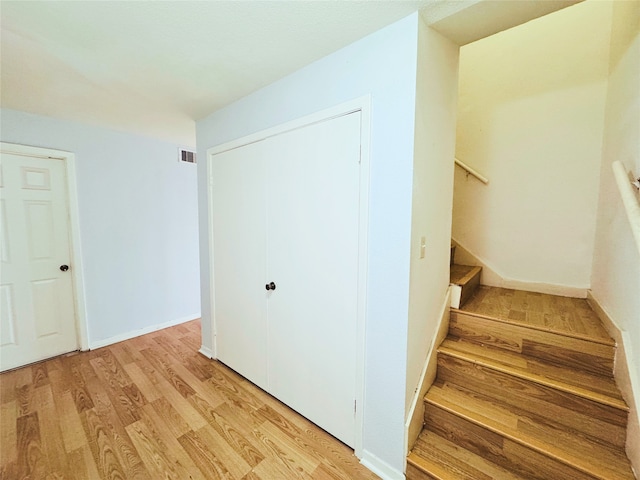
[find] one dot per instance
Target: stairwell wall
(434, 147)
(531, 118)
(615, 280)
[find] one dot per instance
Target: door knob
(270, 286)
(64, 268)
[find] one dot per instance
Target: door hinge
(355, 407)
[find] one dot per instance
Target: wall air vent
(186, 156)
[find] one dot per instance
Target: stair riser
(583, 355)
(469, 288)
(511, 455)
(600, 422)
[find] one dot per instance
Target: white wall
(434, 148)
(531, 118)
(615, 280)
(383, 65)
(138, 223)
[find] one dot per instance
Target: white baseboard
(380, 467)
(492, 278)
(415, 416)
(142, 331)
(626, 375)
(207, 352)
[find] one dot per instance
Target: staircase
(524, 390)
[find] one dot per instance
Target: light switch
(423, 246)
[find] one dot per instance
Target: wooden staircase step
(467, 277)
(452, 410)
(592, 387)
(585, 354)
(570, 316)
(435, 457)
(601, 422)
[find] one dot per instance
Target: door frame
(362, 105)
(77, 272)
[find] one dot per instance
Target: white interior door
(37, 318)
(313, 221)
(239, 239)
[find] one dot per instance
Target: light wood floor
(550, 312)
(153, 408)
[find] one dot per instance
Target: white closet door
(313, 213)
(37, 315)
(239, 237)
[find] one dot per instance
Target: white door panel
(239, 217)
(36, 303)
(313, 217)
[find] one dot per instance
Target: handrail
(471, 171)
(631, 205)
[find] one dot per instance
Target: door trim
(77, 272)
(362, 105)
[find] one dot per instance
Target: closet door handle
(270, 286)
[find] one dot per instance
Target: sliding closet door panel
(239, 237)
(313, 206)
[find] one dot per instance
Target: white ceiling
(154, 67)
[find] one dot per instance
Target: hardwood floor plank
(50, 432)
(162, 431)
(8, 433)
(286, 449)
(73, 434)
(228, 455)
(174, 422)
(223, 420)
(153, 407)
(185, 410)
(335, 461)
(31, 461)
(272, 468)
(159, 460)
(103, 446)
(81, 396)
(8, 390)
(192, 362)
(122, 353)
(203, 456)
(144, 384)
(252, 476)
(159, 361)
(24, 399)
(82, 466)
(39, 374)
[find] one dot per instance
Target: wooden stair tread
(445, 460)
(572, 316)
(593, 387)
(579, 353)
(599, 421)
(543, 436)
(461, 274)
